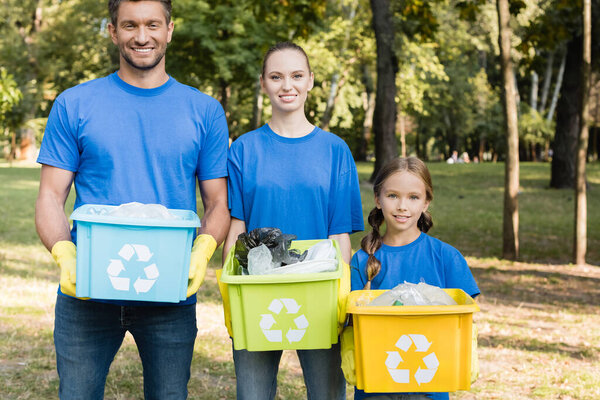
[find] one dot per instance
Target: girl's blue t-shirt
(305, 186)
(428, 260)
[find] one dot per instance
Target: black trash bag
(276, 241)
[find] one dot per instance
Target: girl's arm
(345, 245)
(236, 228)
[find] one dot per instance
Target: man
(135, 135)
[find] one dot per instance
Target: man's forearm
(215, 222)
(51, 222)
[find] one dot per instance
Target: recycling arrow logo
(116, 267)
(268, 321)
(421, 375)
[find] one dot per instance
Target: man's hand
(202, 250)
(64, 253)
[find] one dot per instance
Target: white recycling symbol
(422, 375)
(276, 335)
(115, 267)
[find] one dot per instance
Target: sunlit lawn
(538, 322)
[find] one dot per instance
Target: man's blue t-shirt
(428, 260)
(126, 143)
(305, 186)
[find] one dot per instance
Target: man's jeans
(87, 335)
(256, 373)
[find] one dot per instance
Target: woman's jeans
(256, 373)
(87, 335)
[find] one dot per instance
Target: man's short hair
(113, 9)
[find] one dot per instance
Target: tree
(384, 117)
(10, 96)
(510, 232)
(559, 26)
(580, 246)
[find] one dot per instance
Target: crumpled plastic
(277, 242)
(140, 210)
(410, 294)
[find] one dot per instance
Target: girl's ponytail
(371, 243)
(425, 222)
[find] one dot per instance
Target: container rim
(189, 219)
(231, 262)
(466, 305)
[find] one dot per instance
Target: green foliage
(218, 46)
(448, 77)
(10, 95)
(533, 127)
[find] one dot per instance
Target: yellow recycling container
(283, 311)
(412, 348)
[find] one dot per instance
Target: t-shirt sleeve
(212, 161)
(59, 146)
(458, 274)
(235, 183)
(345, 207)
(357, 281)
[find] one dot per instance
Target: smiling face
(287, 80)
(142, 34)
(402, 200)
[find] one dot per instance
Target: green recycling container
(283, 311)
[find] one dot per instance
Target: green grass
(538, 322)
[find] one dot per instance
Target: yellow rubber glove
(347, 353)
(202, 250)
(64, 253)
(343, 291)
(226, 307)
(474, 356)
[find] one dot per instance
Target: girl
(293, 176)
(403, 192)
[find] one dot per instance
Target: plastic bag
(320, 257)
(410, 294)
(277, 242)
(307, 267)
(140, 210)
(324, 250)
(260, 261)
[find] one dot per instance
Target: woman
(291, 175)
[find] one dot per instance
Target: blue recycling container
(125, 258)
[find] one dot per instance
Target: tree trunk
(26, 135)
(547, 80)
(257, 106)
(384, 117)
(510, 247)
(224, 93)
(580, 243)
(333, 90)
(402, 130)
(369, 107)
(567, 119)
(557, 88)
(534, 91)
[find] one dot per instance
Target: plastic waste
(321, 251)
(308, 267)
(140, 210)
(260, 261)
(410, 294)
(277, 242)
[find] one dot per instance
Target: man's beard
(143, 67)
